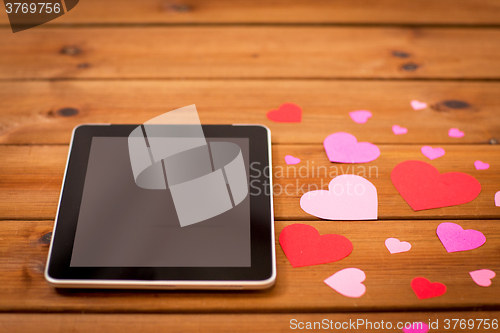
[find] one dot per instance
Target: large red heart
(287, 113)
(424, 289)
(423, 187)
(303, 246)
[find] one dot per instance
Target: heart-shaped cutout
(416, 327)
(286, 113)
(290, 160)
(432, 153)
(417, 105)
(342, 147)
(482, 277)
(398, 130)
(304, 246)
(360, 116)
(394, 245)
(423, 187)
(479, 165)
(348, 282)
(455, 238)
(424, 289)
(349, 197)
(455, 133)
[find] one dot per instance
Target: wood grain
(281, 11)
(37, 112)
(31, 178)
(250, 52)
(23, 251)
(153, 323)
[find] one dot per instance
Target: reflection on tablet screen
(124, 225)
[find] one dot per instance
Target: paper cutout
(286, 113)
(418, 327)
(455, 133)
(342, 147)
(432, 153)
(394, 245)
(303, 246)
(398, 130)
(479, 165)
(482, 277)
(455, 238)
(290, 160)
(423, 187)
(349, 197)
(360, 116)
(497, 199)
(417, 105)
(348, 282)
(424, 289)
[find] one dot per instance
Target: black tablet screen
(123, 225)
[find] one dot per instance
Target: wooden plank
(153, 323)
(281, 11)
(31, 178)
(313, 176)
(23, 251)
(250, 52)
(36, 112)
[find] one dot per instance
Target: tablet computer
(119, 224)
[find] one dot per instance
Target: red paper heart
(424, 289)
(303, 246)
(287, 113)
(423, 187)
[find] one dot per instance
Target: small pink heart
(432, 153)
(455, 238)
(455, 133)
(360, 116)
(394, 245)
(481, 165)
(497, 199)
(343, 147)
(289, 159)
(349, 197)
(417, 105)
(398, 130)
(417, 327)
(348, 282)
(482, 277)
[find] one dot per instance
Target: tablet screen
(123, 225)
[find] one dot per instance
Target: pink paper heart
(455, 133)
(289, 159)
(398, 130)
(418, 327)
(349, 197)
(432, 153)
(481, 165)
(348, 282)
(342, 147)
(497, 199)
(360, 116)
(455, 238)
(482, 277)
(394, 245)
(417, 105)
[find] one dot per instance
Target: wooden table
(126, 61)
